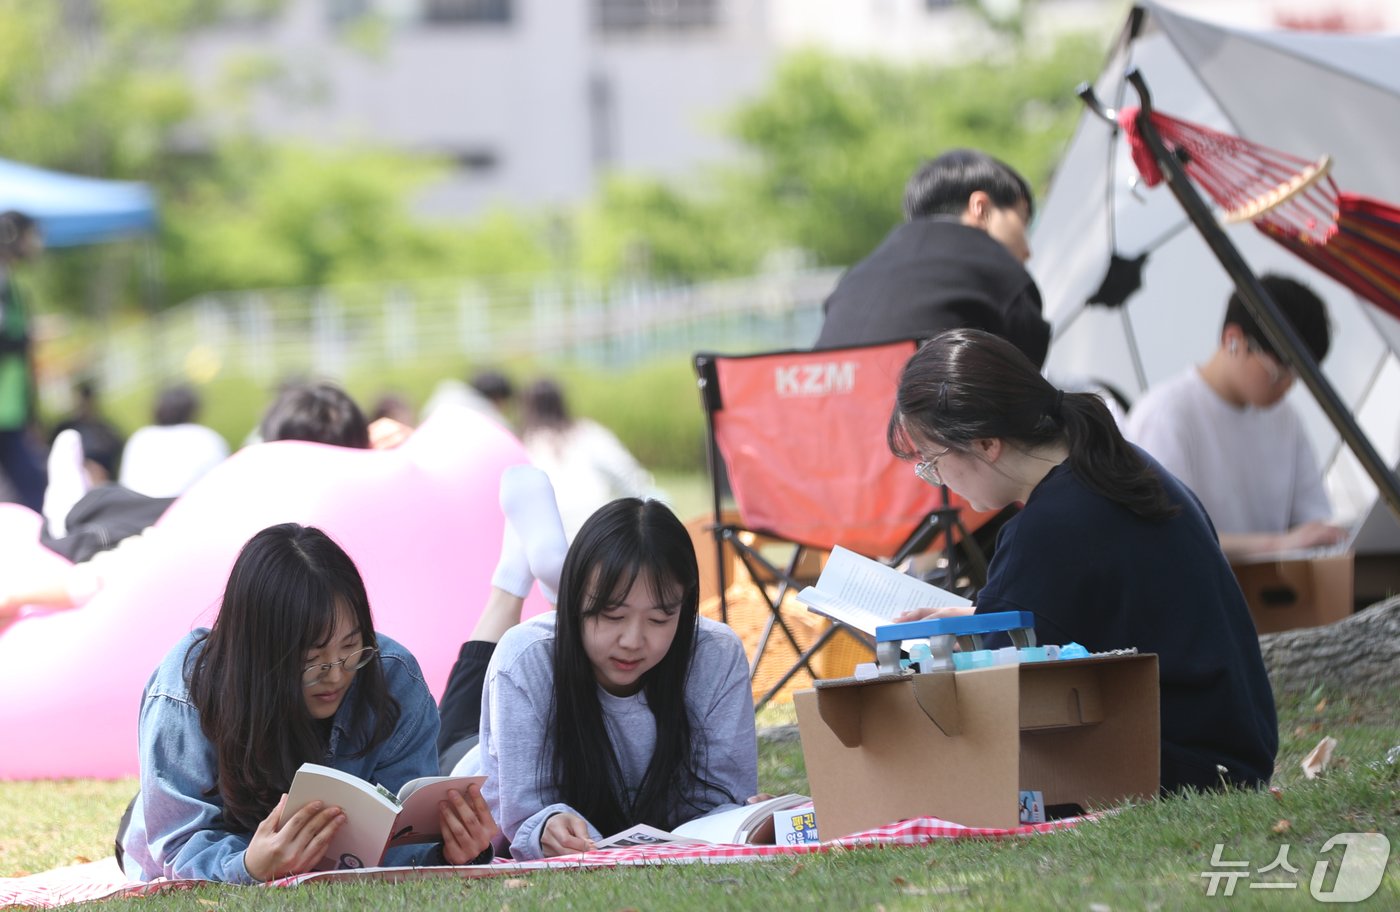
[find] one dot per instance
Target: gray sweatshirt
(516, 757)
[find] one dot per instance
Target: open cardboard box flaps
(961, 746)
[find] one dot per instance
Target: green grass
(1148, 857)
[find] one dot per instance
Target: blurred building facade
(531, 100)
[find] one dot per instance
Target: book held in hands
(865, 594)
(375, 818)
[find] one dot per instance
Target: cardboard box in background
(1285, 594)
(963, 746)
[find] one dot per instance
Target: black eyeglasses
(315, 674)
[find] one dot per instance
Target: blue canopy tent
(73, 210)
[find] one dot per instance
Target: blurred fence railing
(267, 334)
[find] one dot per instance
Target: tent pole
(1280, 333)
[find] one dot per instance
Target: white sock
(68, 481)
(527, 499)
(513, 570)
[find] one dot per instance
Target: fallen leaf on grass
(899, 881)
(1283, 826)
(795, 870)
(81, 859)
(1321, 705)
(1316, 763)
(515, 883)
(1276, 792)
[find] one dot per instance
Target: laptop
(1376, 532)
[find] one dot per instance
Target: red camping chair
(800, 437)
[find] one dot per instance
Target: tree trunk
(1361, 652)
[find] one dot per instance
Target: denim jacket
(176, 828)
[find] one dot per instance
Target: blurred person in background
(163, 459)
(104, 529)
(490, 392)
(1227, 431)
(585, 461)
(19, 453)
(957, 262)
(102, 440)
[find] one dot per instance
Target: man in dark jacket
(956, 262)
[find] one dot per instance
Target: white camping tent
(1302, 93)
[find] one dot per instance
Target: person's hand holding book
(948, 611)
(565, 834)
(280, 849)
(467, 825)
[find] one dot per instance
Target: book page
(420, 819)
(865, 593)
(738, 825)
(643, 835)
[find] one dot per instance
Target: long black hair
(966, 384)
(282, 599)
(624, 541)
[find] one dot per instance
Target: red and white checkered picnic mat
(103, 880)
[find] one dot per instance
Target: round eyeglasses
(315, 674)
(928, 470)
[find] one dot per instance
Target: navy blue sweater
(1095, 573)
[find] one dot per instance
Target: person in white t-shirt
(165, 458)
(585, 461)
(1225, 431)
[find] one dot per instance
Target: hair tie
(1055, 407)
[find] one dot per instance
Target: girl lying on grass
(624, 706)
(291, 672)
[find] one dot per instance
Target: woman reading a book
(1110, 550)
(624, 706)
(291, 672)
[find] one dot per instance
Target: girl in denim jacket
(291, 672)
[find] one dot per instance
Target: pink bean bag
(422, 522)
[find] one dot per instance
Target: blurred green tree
(830, 144)
(99, 87)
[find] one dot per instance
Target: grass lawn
(1149, 857)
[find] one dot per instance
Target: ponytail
(1106, 463)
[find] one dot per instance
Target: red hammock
(1352, 238)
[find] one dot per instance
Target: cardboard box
(963, 745)
(1284, 594)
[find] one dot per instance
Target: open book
(748, 823)
(375, 818)
(865, 594)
